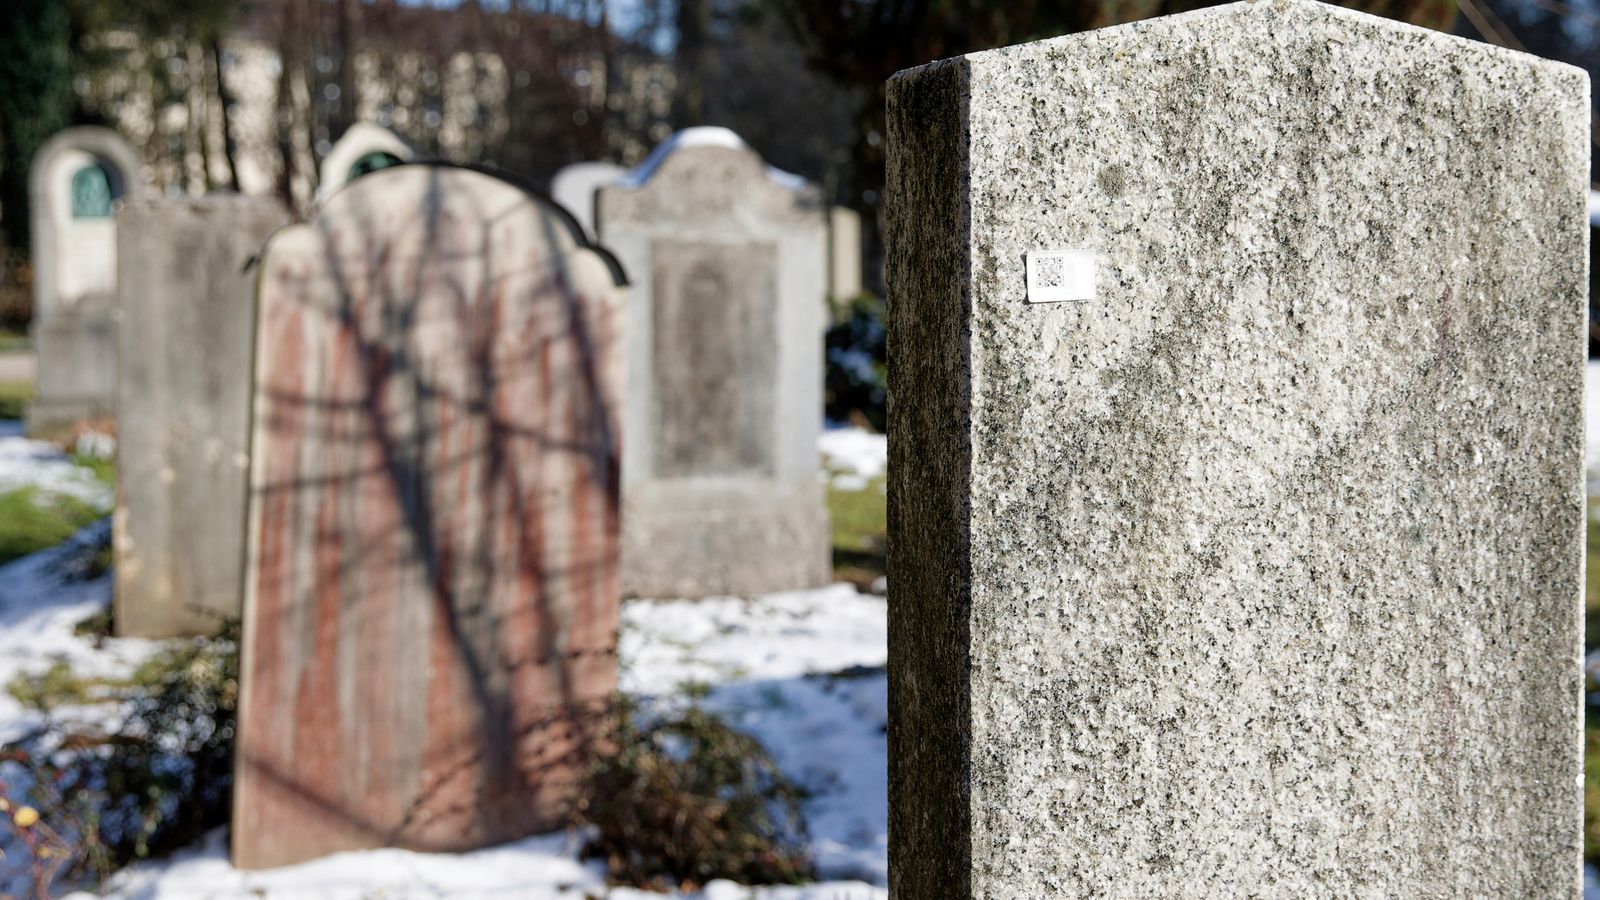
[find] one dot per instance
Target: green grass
(31, 521)
(14, 396)
(105, 470)
(860, 523)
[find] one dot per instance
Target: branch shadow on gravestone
(440, 434)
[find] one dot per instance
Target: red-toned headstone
(431, 585)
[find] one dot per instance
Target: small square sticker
(1057, 275)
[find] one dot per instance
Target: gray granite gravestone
(727, 261)
(76, 181)
(1236, 464)
(187, 303)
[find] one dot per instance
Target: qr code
(1050, 271)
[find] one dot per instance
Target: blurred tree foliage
(35, 102)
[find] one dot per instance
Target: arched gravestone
(364, 148)
(728, 259)
(431, 581)
(76, 180)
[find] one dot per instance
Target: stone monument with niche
(74, 186)
(1236, 503)
(364, 148)
(728, 260)
(431, 592)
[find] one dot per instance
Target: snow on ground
(801, 671)
(40, 603)
(853, 457)
(44, 466)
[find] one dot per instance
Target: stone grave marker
(844, 254)
(1236, 463)
(727, 259)
(74, 185)
(574, 187)
(364, 148)
(187, 304)
(431, 584)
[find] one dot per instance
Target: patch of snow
(40, 604)
(1594, 208)
(702, 136)
(538, 868)
(853, 457)
(42, 465)
(802, 672)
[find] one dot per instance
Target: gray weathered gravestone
(364, 148)
(727, 261)
(431, 591)
(187, 307)
(574, 188)
(844, 253)
(1256, 571)
(74, 185)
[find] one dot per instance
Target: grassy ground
(30, 521)
(14, 395)
(860, 521)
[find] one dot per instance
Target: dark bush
(686, 799)
(855, 386)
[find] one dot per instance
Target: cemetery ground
(799, 672)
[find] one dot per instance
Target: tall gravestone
(364, 148)
(1236, 463)
(431, 584)
(575, 186)
(187, 300)
(727, 260)
(76, 181)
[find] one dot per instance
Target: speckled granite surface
(1258, 575)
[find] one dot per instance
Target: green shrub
(686, 799)
(159, 782)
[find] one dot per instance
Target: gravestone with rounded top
(74, 186)
(186, 294)
(364, 148)
(727, 261)
(1236, 463)
(431, 581)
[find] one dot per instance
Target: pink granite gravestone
(431, 585)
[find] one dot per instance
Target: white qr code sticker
(1057, 275)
